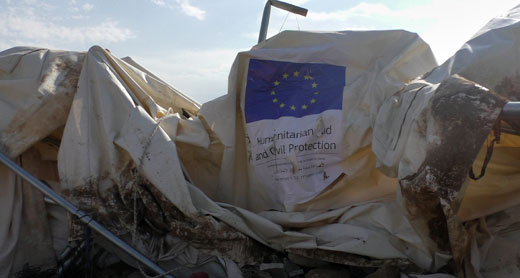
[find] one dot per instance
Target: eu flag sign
(294, 118)
(276, 89)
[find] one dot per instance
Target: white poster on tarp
(293, 123)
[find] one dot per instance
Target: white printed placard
(293, 124)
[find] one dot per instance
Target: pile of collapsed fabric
(337, 153)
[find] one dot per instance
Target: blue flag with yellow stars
(276, 89)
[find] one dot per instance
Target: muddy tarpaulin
(294, 75)
(36, 90)
(116, 146)
(390, 155)
(447, 127)
(37, 87)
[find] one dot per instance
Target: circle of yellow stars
(285, 76)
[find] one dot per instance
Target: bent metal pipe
(48, 192)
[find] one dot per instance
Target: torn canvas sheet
(32, 232)
(130, 157)
(432, 168)
(300, 139)
(37, 87)
(36, 90)
(495, 244)
(113, 145)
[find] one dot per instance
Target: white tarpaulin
(433, 168)
(121, 137)
(288, 159)
(110, 139)
(307, 104)
(36, 90)
(110, 116)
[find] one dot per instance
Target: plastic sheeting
(487, 59)
(113, 117)
(37, 87)
(377, 65)
(36, 90)
(110, 137)
(32, 232)
(130, 157)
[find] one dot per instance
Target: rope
(134, 228)
(283, 23)
(489, 153)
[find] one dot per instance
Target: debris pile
(341, 154)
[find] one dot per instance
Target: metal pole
(47, 191)
(511, 111)
(267, 13)
(265, 22)
(289, 7)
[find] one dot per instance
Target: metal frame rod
(289, 7)
(48, 192)
(265, 22)
(267, 14)
(511, 111)
(67, 260)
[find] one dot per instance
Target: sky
(191, 44)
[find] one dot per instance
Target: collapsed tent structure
(348, 148)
